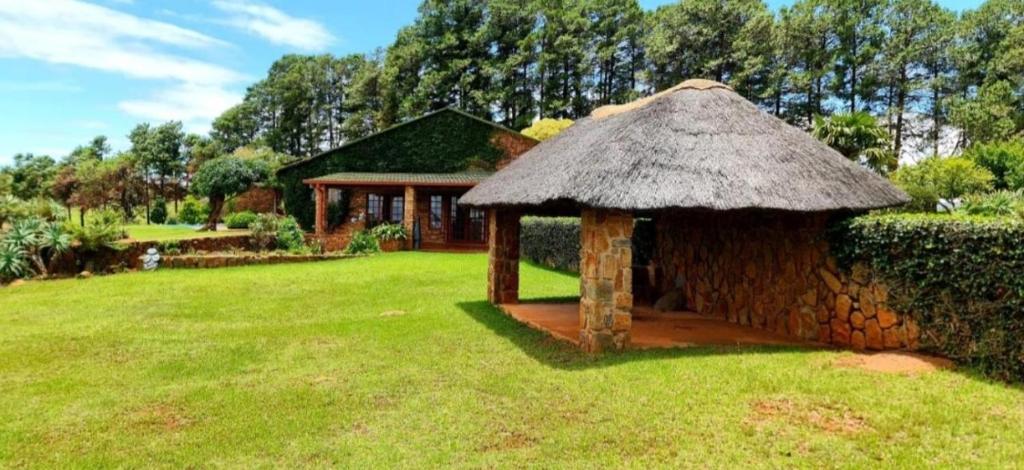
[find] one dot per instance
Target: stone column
(409, 215)
(503, 262)
(606, 279)
(321, 209)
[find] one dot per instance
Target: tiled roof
(431, 179)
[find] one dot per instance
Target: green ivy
(445, 142)
(960, 277)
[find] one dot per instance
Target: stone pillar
(606, 279)
(503, 261)
(321, 209)
(409, 215)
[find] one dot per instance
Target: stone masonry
(774, 271)
(503, 259)
(606, 299)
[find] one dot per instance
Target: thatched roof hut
(698, 145)
(740, 202)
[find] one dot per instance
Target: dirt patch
(506, 439)
(392, 313)
(160, 416)
(828, 417)
(895, 362)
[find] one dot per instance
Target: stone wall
(606, 270)
(221, 260)
(503, 257)
(128, 254)
(774, 271)
(258, 200)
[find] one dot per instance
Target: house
(412, 174)
(740, 201)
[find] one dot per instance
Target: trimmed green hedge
(555, 241)
(444, 142)
(960, 278)
(551, 241)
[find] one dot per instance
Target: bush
(937, 180)
(102, 229)
(239, 220)
(158, 214)
(172, 220)
(551, 241)
(389, 232)
(1004, 159)
(362, 242)
(289, 235)
(959, 277)
(191, 212)
(264, 230)
(998, 203)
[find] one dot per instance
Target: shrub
(158, 214)
(551, 241)
(170, 247)
(289, 235)
(240, 220)
(957, 276)
(264, 231)
(172, 220)
(12, 208)
(938, 180)
(191, 212)
(30, 245)
(102, 229)
(336, 213)
(998, 203)
(362, 242)
(388, 232)
(1004, 159)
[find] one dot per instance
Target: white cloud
(274, 25)
(192, 103)
(76, 33)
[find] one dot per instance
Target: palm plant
(858, 137)
(12, 262)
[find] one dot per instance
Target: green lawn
(309, 365)
(155, 232)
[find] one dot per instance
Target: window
(478, 224)
(374, 209)
(436, 211)
(397, 209)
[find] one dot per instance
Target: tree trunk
(81, 216)
(216, 205)
(901, 101)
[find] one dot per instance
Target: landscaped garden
(398, 359)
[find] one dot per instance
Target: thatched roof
(698, 145)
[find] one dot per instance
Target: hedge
(555, 241)
(960, 278)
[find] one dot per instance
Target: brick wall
(774, 272)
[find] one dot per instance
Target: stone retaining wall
(128, 257)
(774, 272)
(227, 260)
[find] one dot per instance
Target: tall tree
(806, 47)
(561, 37)
(857, 26)
(616, 32)
(510, 26)
(697, 39)
(914, 28)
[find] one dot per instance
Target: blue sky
(71, 69)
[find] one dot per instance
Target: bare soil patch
(895, 362)
(832, 418)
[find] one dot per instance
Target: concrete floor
(651, 329)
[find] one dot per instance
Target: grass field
(397, 360)
(155, 232)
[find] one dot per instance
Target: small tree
(858, 137)
(941, 180)
(547, 128)
(223, 177)
(158, 214)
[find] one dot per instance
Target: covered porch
(426, 204)
(650, 328)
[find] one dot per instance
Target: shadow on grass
(562, 355)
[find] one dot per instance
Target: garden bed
(223, 260)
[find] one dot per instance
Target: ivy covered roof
(466, 179)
